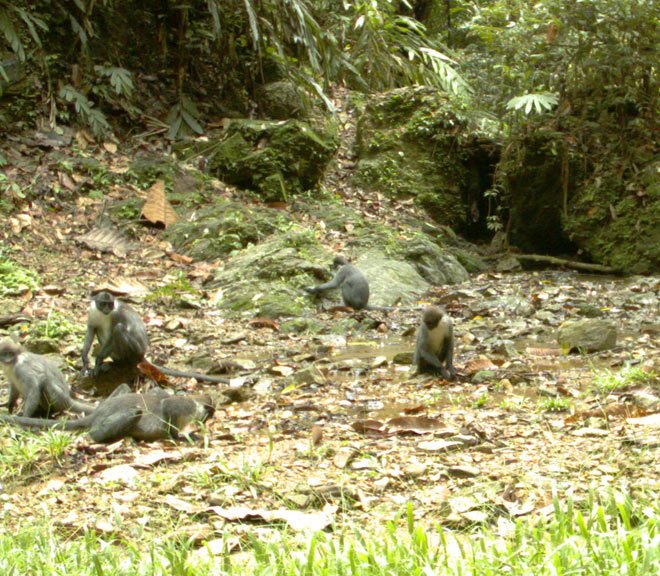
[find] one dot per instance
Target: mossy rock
(435, 265)
(281, 100)
(410, 144)
(267, 278)
(147, 168)
(302, 326)
(225, 227)
(275, 159)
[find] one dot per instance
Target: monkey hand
(310, 289)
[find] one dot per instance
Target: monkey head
(9, 351)
(431, 316)
(104, 302)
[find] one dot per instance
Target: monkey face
(8, 352)
(105, 302)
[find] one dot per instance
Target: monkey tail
(43, 423)
(81, 407)
(195, 375)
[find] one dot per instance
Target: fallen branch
(568, 263)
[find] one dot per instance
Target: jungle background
(206, 158)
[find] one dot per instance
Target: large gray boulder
(590, 335)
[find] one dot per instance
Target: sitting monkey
(353, 284)
(38, 381)
(434, 351)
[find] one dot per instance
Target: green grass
(56, 325)
(615, 536)
(15, 279)
(607, 381)
(555, 404)
(22, 451)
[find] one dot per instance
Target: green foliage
(222, 45)
(91, 116)
(177, 286)
(606, 381)
(538, 102)
(555, 404)
(22, 452)
(15, 279)
(607, 536)
(55, 326)
(182, 120)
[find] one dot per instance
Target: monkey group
(156, 414)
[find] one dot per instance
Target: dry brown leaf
(618, 409)
(123, 287)
(106, 239)
(180, 258)
(262, 322)
(181, 505)
(317, 435)
(478, 364)
(157, 208)
(369, 426)
(298, 521)
(414, 424)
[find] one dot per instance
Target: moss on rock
(224, 227)
(409, 145)
(275, 159)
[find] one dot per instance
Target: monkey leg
(31, 402)
(127, 345)
(115, 426)
(431, 364)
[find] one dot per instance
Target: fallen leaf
(317, 435)
(106, 239)
(369, 426)
(299, 521)
(121, 473)
(439, 445)
(262, 322)
(414, 424)
(477, 365)
(123, 286)
(157, 208)
(156, 456)
(182, 505)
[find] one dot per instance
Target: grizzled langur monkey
(123, 337)
(155, 415)
(353, 284)
(38, 381)
(434, 351)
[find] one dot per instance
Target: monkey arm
(89, 339)
(450, 350)
(13, 398)
(336, 282)
(432, 360)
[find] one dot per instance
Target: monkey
(434, 351)
(38, 381)
(155, 415)
(123, 337)
(354, 286)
